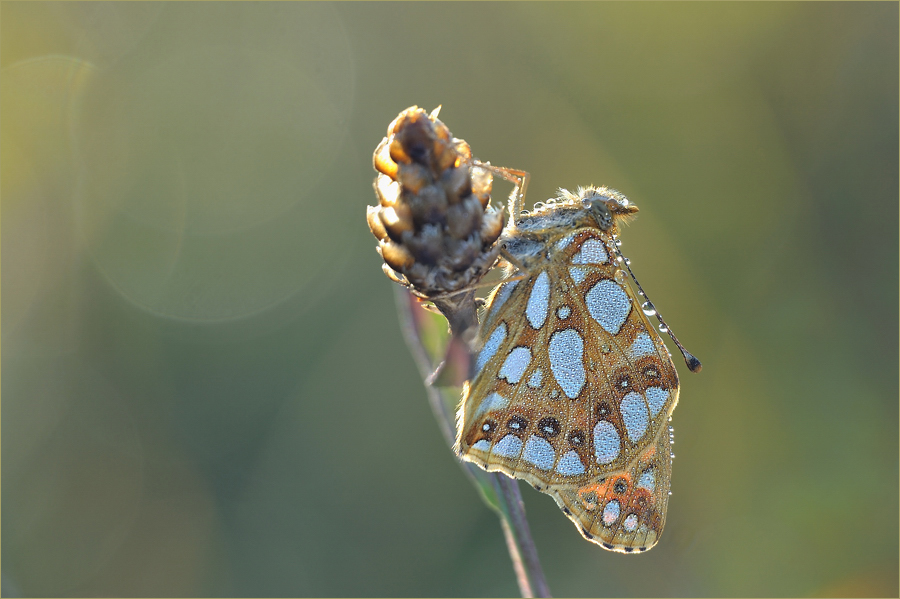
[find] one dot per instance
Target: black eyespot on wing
(548, 427)
(576, 438)
(651, 373)
(621, 486)
(517, 424)
(623, 384)
(655, 374)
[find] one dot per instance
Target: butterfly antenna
(690, 359)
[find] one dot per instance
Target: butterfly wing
(572, 383)
(513, 418)
(625, 511)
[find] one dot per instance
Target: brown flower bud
(375, 224)
(396, 255)
(434, 222)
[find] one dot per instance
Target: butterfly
(573, 388)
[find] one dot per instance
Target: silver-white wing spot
(630, 522)
(570, 464)
(656, 399)
(611, 512)
(536, 378)
(491, 403)
(565, 241)
(502, 294)
(647, 481)
(642, 346)
(509, 447)
(606, 442)
(591, 252)
(566, 350)
(608, 304)
(538, 301)
(490, 346)
(539, 452)
(482, 445)
(634, 415)
(515, 364)
(578, 274)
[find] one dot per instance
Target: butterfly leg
(517, 178)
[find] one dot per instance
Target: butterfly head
(604, 205)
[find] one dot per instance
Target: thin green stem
(498, 491)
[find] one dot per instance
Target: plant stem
(498, 491)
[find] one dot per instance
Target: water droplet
(663, 328)
(627, 261)
(604, 348)
(620, 259)
(670, 492)
(648, 308)
(618, 242)
(620, 276)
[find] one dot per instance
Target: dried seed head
(434, 223)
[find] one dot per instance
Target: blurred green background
(205, 390)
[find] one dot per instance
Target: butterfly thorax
(533, 232)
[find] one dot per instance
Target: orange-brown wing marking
(534, 417)
(620, 353)
(513, 418)
(624, 511)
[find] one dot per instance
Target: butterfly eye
(517, 424)
(548, 427)
(601, 213)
